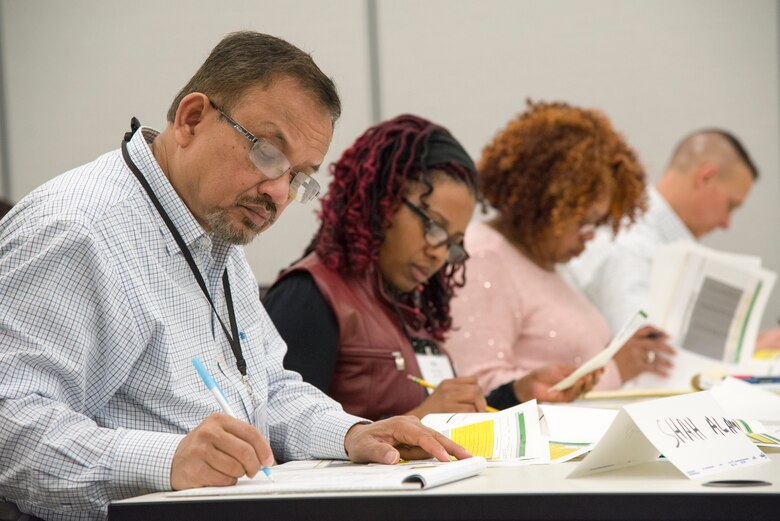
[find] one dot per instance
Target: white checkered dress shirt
(100, 317)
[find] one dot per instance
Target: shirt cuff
(143, 460)
(328, 435)
(503, 396)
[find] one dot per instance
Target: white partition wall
(658, 68)
(74, 72)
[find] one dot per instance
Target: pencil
(429, 385)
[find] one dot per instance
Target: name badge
(434, 368)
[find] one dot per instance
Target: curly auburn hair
(369, 182)
(551, 163)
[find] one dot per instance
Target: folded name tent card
(571, 424)
(572, 431)
(690, 430)
(344, 476)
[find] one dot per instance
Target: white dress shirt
(615, 274)
(100, 317)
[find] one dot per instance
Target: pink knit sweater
(513, 316)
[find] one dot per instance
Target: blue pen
(758, 379)
(217, 392)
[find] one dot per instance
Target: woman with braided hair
(369, 302)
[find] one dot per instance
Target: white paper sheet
(569, 424)
(710, 303)
(743, 400)
(331, 475)
(605, 355)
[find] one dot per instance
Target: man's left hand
(389, 440)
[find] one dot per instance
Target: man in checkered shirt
(102, 309)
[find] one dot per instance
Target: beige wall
(76, 71)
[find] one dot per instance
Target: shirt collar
(191, 231)
(666, 220)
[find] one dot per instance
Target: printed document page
(512, 435)
(336, 476)
(711, 304)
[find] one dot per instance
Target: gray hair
(246, 59)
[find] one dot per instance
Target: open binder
(710, 303)
(343, 476)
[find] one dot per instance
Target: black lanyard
(234, 340)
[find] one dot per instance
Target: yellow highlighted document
(477, 438)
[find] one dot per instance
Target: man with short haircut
(708, 177)
(116, 274)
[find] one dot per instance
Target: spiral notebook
(343, 476)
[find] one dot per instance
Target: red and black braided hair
(369, 181)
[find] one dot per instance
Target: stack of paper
(743, 400)
(710, 303)
(526, 434)
(512, 435)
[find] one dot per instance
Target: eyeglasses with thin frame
(274, 164)
(436, 236)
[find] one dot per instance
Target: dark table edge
(492, 507)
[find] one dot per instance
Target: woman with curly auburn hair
(554, 174)
(369, 303)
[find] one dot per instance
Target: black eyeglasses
(436, 236)
(274, 164)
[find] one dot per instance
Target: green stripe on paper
(747, 319)
(522, 440)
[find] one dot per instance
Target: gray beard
(221, 228)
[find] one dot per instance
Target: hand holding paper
(710, 302)
(645, 351)
(598, 361)
(540, 383)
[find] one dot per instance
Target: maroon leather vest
(374, 354)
